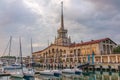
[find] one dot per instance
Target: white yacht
(17, 74)
(72, 71)
(1, 68)
(47, 72)
(29, 73)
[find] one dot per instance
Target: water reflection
(42, 77)
(84, 76)
(13, 78)
(4, 78)
(26, 78)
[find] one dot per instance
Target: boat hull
(47, 72)
(68, 71)
(72, 71)
(12, 67)
(57, 72)
(17, 75)
(29, 74)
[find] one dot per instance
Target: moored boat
(47, 72)
(57, 72)
(30, 72)
(17, 74)
(72, 71)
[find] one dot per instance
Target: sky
(39, 19)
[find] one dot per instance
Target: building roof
(79, 44)
(47, 48)
(36, 52)
(90, 42)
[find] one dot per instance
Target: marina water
(84, 76)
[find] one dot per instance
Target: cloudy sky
(40, 19)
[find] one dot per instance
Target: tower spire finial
(62, 21)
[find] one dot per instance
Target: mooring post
(118, 68)
(101, 72)
(101, 68)
(87, 69)
(109, 68)
(93, 68)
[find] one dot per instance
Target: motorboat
(47, 72)
(51, 72)
(11, 67)
(57, 72)
(72, 71)
(29, 73)
(17, 74)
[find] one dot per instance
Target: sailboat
(72, 71)
(56, 71)
(53, 72)
(9, 66)
(19, 74)
(30, 72)
(75, 70)
(1, 68)
(47, 72)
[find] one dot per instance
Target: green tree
(8, 57)
(117, 49)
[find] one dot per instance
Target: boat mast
(9, 50)
(31, 54)
(47, 57)
(10, 46)
(21, 54)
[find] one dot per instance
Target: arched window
(79, 52)
(56, 50)
(53, 51)
(104, 49)
(49, 51)
(64, 51)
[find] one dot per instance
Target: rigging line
(31, 51)
(31, 47)
(31, 55)
(6, 47)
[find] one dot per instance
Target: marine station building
(64, 52)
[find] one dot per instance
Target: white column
(101, 58)
(108, 58)
(116, 58)
(118, 77)
(102, 77)
(109, 77)
(81, 59)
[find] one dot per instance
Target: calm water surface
(84, 76)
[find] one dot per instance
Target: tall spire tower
(62, 37)
(62, 21)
